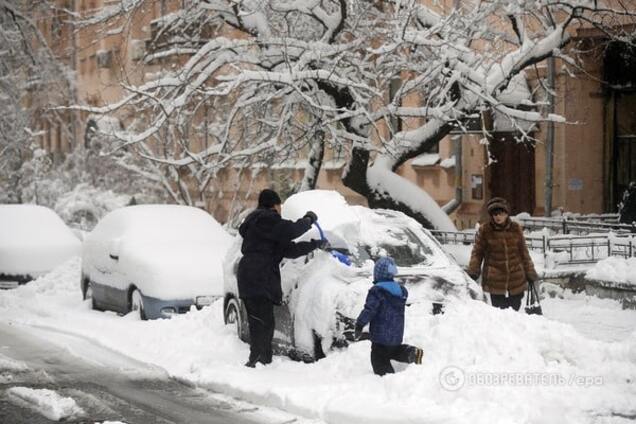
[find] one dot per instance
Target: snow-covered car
(33, 241)
(157, 260)
(325, 291)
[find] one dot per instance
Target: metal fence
(563, 249)
(566, 225)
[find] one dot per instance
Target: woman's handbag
(533, 307)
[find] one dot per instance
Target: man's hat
(268, 198)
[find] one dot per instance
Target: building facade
(593, 153)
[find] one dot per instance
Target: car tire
(137, 304)
(88, 294)
(233, 316)
(318, 352)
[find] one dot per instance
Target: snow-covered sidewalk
(577, 364)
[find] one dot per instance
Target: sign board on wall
(575, 184)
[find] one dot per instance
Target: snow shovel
(335, 253)
(533, 307)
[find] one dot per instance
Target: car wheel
(137, 304)
(318, 352)
(88, 294)
(234, 317)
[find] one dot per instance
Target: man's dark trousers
(260, 319)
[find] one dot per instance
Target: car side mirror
(113, 249)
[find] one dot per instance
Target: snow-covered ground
(614, 269)
(576, 364)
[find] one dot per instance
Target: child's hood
(393, 288)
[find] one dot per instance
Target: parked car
(33, 241)
(324, 292)
(156, 260)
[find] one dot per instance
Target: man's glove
(321, 244)
(311, 216)
(357, 332)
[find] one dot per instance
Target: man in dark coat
(267, 239)
(384, 310)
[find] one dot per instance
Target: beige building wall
(579, 173)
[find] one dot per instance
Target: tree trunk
(357, 179)
(314, 162)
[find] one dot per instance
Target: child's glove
(358, 332)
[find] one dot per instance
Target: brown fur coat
(507, 266)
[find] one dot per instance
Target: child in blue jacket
(384, 310)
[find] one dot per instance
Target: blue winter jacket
(384, 310)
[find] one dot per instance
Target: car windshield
(406, 248)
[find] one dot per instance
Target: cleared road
(108, 385)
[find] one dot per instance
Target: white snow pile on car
(34, 240)
(168, 251)
(327, 285)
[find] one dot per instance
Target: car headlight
(205, 300)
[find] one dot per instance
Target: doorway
(624, 143)
(512, 175)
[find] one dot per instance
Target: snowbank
(481, 365)
(46, 402)
(34, 240)
(614, 269)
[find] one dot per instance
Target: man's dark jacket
(267, 239)
(384, 309)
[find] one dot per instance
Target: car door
(283, 340)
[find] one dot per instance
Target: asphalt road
(109, 386)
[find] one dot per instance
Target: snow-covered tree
(267, 80)
(32, 81)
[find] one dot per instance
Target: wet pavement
(107, 385)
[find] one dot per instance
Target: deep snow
(614, 269)
(514, 368)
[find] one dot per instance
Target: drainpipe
(454, 203)
(549, 143)
(451, 206)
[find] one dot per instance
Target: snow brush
(335, 253)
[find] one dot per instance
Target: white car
(33, 241)
(157, 260)
(324, 292)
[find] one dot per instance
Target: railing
(576, 226)
(562, 249)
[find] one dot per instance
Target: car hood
(175, 271)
